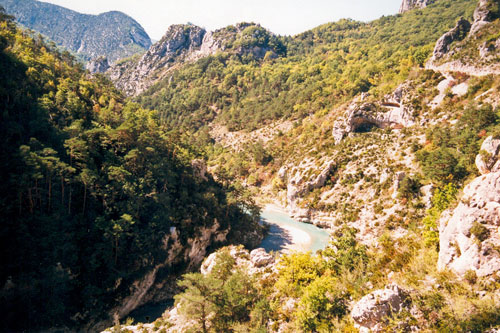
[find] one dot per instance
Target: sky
(283, 17)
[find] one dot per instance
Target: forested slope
(317, 70)
(95, 193)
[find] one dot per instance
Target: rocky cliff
(187, 43)
(113, 35)
(470, 234)
(412, 4)
(180, 42)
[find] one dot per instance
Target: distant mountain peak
(113, 34)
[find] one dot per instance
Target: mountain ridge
(113, 34)
(186, 43)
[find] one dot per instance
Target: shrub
(409, 188)
(480, 231)
(470, 276)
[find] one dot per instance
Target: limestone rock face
(371, 312)
(459, 32)
(113, 35)
(483, 15)
(178, 41)
(412, 4)
(97, 65)
(394, 112)
(487, 161)
(469, 236)
(300, 182)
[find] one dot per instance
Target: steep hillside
(184, 44)
(471, 47)
(113, 35)
(321, 69)
(101, 205)
(369, 130)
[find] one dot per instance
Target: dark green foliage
(451, 157)
(91, 186)
(480, 231)
(409, 188)
(345, 253)
(223, 299)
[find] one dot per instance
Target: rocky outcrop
(187, 43)
(372, 311)
(183, 254)
(256, 261)
(407, 5)
(395, 111)
(487, 160)
(483, 15)
(469, 236)
(97, 65)
(300, 181)
(200, 169)
(465, 50)
(458, 33)
(178, 42)
(147, 288)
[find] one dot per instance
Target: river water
(285, 235)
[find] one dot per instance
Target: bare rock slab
(371, 312)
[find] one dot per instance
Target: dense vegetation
(311, 292)
(323, 68)
(91, 186)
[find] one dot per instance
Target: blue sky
(284, 17)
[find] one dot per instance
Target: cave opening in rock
(365, 127)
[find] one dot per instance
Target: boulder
(260, 258)
(469, 236)
(282, 172)
(370, 313)
(254, 262)
(458, 33)
(487, 161)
